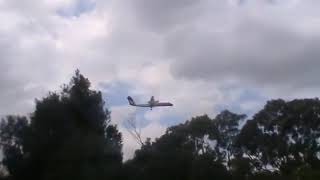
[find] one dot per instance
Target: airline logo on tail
(131, 101)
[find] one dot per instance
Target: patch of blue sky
(164, 120)
(248, 102)
(137, 117)
(171, 120)
(115, 94)
(77, 8)
(140, 120)
(249, 94)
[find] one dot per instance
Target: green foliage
(15, 133)
(196, 149)
(284, 135)
(68, 136)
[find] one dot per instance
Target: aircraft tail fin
(131, 101)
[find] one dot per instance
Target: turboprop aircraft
(152, 103)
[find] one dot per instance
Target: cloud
(164, 15)
(202, 56)
(254, 53)
(25, 70)
(245, 47)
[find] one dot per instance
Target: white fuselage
(152, 103)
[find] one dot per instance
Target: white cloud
(120, 114)
(181, 51)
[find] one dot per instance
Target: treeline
(70, 136)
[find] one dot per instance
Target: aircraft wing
(164, 104)
(142, 105)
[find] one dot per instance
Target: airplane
(152, 103)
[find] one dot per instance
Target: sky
(204, 56)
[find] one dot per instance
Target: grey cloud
(27, 65)
(164, 15)
(252, 52)
(9, 85)
(254, 43)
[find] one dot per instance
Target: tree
(227, 124)
(284, 136)
(70, 137)
(14, 141)
(196, 149)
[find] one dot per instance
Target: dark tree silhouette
(196, 149)
(284, 137)
(69, 137)
(15, 136)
